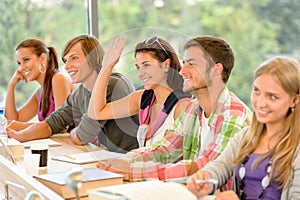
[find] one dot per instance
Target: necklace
(265, 182)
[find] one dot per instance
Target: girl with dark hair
(158, 104)
(37, 62)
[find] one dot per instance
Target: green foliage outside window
(256, 30)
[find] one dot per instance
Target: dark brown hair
(163, 51)
(38, 47)
(217, 50)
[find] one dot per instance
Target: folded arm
(36, 131)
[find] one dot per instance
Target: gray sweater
(117, 135)
(222, 168)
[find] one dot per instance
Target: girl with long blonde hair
(264, 159)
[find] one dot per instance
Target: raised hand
(113, 53)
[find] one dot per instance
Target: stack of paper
(88, 157)
(46, 141)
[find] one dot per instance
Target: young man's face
(76, 64)
(195, 70)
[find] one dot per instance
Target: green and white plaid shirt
(168, 158)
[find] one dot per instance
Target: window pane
(256, 29)
(53, 21)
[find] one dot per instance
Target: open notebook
(146, 190)
(88, 157)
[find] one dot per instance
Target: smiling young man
(83, 58)
(202, 132)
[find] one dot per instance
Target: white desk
(17, 174)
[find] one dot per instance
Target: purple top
(51, 106)
(253, 180)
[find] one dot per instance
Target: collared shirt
(169, 158)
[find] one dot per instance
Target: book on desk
(146, 190)
(91, 178)
(47, 141)
(88, 157)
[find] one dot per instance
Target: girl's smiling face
(28, 63)
(150, 71)
(270, 101)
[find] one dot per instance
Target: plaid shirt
(169, 158)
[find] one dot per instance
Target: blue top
(253, 179)
(1, 111)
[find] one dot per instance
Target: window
(255, 29)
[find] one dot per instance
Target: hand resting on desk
(116, 166)
(14, 134)
(74, 137)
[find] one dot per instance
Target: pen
(69, 157)
(12, 121)
(209, 181)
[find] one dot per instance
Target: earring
(42, 68)
(292, 109)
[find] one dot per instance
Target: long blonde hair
(286, 72)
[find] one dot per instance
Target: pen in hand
(209, 181)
